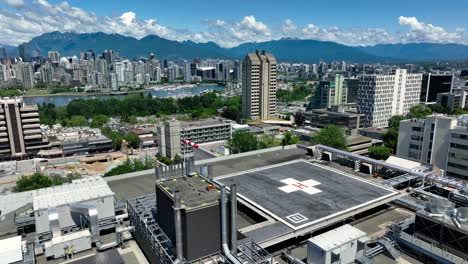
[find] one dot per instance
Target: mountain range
(291, 50)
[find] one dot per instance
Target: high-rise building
(47, 73)
(173, 73)
(353, 86)
(187, 72)
(27, 75)
(330, 93)
(259, 86)
(108, 56)
(113, 82)
(433, 84)
(383, 96)
(54, 56)
(20, 133)
(23, 51)
(157, 75)
(169, 138)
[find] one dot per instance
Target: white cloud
(22, 20)
(422, 32)
(128, 18)
(42, 16)
(232, 33)
(14, 3)
(354, 36)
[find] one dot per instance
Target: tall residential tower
(20, 132)
(259, 86)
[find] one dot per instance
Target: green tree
(332, 136)
(115, 136)
(196, 114)
(394, 121)
(77, 121)
(459, 111)
(133, 140)
(10, 93)
(165, 160)
(232, 108)
(38, 181)
(391, 139)
(242, 141)
(419, 111)
(268, 141)
(289, 139)
(380, 152)
(99, 120)
(177, 159)
(131, 165)
(33, 182)
(437, 108)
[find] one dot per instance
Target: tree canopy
(242, 141)
(380, 152)
(131, 165)
(38, 181)
(289, 138)
(419, 111)
(130, 106)
(332, 136)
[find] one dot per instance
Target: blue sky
(229, 23)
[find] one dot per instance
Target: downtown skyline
(229, 25)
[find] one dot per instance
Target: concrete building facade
(205, 131)
(457, 99)
(425, 140)
(20, 132)
(169, 138)
(259, 86)
(457, 160)
(383, 96)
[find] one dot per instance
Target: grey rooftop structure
(299, 197)
(195, 191)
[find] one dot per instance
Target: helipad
(300, 194)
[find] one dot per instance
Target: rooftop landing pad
(300, 194)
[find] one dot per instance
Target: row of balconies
(33, 114)
(29, 120)
(29, 108)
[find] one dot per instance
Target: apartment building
(20, 132)
(259, 86)
(206, 130)
(202, 131)
(383, 96)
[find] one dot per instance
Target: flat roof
(143, 184)
(11, 250)
(201, 154)
(300, 194)
(79, 190)
(194, 191)
(337, 237)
